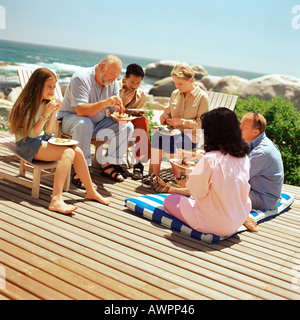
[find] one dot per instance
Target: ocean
(66, 61)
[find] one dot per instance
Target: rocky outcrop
(163, 88)
(230, 84)
(210, 82)
(270, 86)
(265, 87)
(162, 69)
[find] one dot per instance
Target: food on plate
(188, 164)
(59, 140)
(119, 115)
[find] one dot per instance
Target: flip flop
(112, 175)
(77, 182)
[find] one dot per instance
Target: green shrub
(149, 115)
(283, 128)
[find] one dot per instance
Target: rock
(163, 88)
(13, 96)
(210, 81)
(200, 72)
(230, 84)
(270, 86)
(5, 63)
(4, 113)
(162, 69)
(201, 85)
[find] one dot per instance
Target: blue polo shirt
(266, 173)
(82, 89)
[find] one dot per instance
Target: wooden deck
(111, 253)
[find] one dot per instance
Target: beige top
(189, 107)
(20, 135)
(139, 99)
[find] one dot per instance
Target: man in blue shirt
(266, 173)
(93, 93)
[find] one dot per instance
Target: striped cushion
(151, 207)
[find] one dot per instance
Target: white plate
(163, 129)
(130, 118)
(185, 169)
(63, 142)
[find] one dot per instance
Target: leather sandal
(77, 182)
(158, 184)
(112, 175)
(124, 172)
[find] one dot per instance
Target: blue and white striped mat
(151, 207)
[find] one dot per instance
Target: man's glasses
(256, 120)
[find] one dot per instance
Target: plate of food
(63, 142)
(121, 117)
(167, 130)
(186, 167)
(135, 111)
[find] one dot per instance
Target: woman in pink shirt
(218, 190)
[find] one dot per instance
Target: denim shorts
(29, 147)
(170, 144)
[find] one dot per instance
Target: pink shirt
(219, 189)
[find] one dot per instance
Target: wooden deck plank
(86, 252)
(148, 251)
(108, 252)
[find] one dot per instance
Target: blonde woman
(187, 103)
(32, 121)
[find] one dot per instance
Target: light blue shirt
(82, 89)
(266, 173)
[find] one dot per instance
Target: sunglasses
(257, 123)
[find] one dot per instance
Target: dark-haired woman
(218, 188)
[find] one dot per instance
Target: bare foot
(97, 197)
(60, 206)
(251, 224)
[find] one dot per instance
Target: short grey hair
(107, 60)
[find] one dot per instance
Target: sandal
(159, 186)
(112, 175)
(77, 182)
(124, 172)
(138, 170)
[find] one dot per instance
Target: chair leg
(35, 192)
(22, 169)
(97, 144)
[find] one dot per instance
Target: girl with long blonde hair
(32, 121)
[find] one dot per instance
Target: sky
(252, 35)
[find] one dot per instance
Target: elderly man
(266, 173)
(134, 98)
(91, 93)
